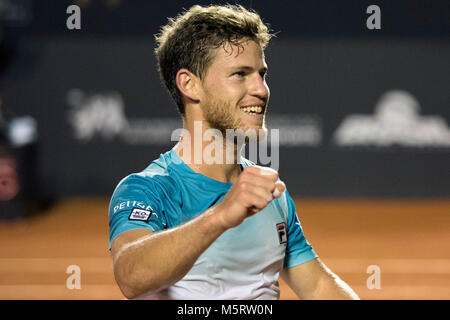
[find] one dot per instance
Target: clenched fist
(255, 189)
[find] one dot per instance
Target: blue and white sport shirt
(243, 263)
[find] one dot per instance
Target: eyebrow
(248, 68)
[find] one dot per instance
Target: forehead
(248, 53)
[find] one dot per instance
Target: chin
(254, 133)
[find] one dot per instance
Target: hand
(256, 187)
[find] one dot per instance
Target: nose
(259, 88)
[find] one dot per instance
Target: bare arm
(313, 280)
(146, 261)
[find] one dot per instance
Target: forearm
(156, 261)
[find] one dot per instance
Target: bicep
(123, 240)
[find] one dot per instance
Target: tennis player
(189, 229)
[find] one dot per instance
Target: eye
(263, 74)
(239, 74)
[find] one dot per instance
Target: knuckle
(275, 175)
(245, 195)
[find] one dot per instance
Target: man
(189, 229)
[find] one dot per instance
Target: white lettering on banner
(297, 130)
(103, 115)
(396, 121)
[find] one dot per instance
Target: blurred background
(364, 144)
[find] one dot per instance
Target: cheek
(227, 88)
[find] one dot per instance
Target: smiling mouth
(253, 109)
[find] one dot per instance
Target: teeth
(253, 109)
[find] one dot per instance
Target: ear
(188, 84)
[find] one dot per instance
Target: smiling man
(182, 229)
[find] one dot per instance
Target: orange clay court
(408, 239)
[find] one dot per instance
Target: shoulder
(156, 179)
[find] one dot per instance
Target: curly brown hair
(188, 40)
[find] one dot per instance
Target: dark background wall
(361, 112)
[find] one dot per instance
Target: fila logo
(139, 214)
(282, 235)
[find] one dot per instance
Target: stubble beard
(219, 115)
(223, 116)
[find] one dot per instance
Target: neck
(207, 151)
